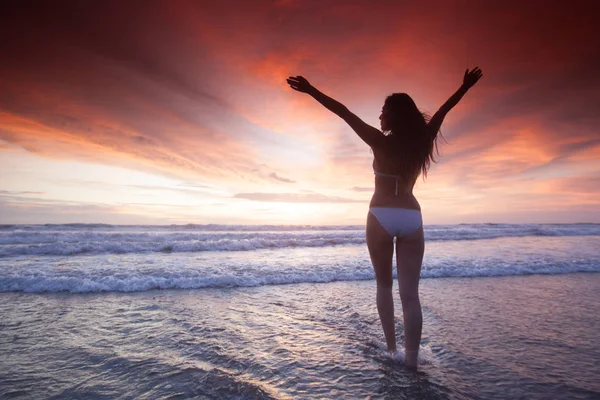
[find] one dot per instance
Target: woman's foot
(411, 358)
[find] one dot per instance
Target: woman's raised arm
(370, 135)
(470, 79)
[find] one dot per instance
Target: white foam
(425, 356)
(30, 280)
(73, 239)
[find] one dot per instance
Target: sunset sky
(176, 112)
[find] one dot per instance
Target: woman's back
(394, 179)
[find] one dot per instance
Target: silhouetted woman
(403, 149)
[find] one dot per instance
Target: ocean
(97, 311)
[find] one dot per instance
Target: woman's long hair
(412, 146)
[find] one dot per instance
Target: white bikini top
(397, 177)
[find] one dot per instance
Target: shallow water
(529, 337)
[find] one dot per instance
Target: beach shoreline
(305, 340)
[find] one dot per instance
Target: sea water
(277, 312)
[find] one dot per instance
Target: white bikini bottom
(398, 221)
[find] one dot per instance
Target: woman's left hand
(471, 77)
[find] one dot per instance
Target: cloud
(17, 192)
(281, 179)
(183, 188)
(294, 198)
(19, 209)
(580, 185)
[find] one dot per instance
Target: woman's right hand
(471, 77)
(299, 83)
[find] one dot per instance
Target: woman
(403, 149)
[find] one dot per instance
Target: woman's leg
(409, 256)
(381, 250)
